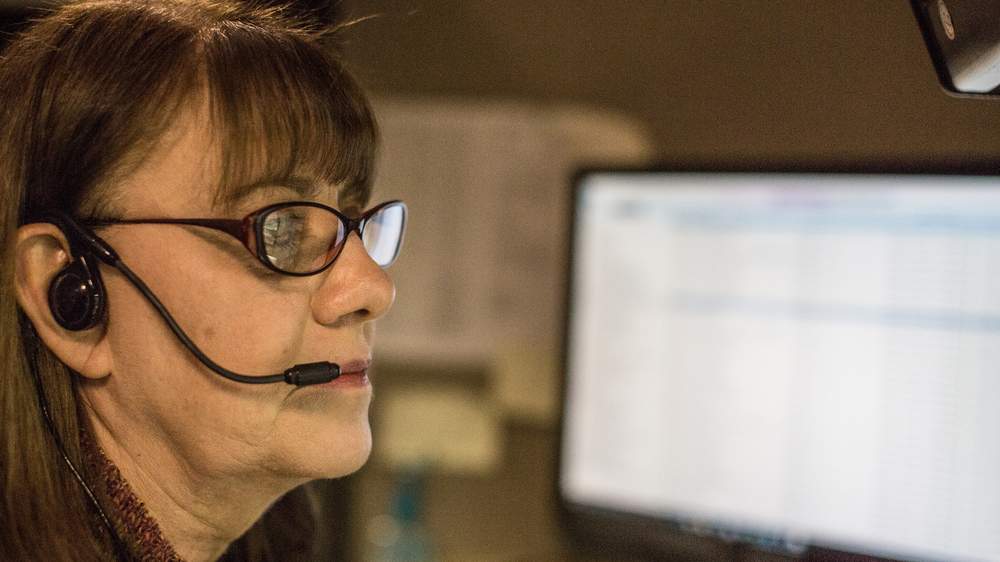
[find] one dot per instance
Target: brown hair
(85, 94)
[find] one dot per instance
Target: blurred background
(487, 108)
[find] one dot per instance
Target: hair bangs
(282, 106)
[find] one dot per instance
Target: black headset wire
(299, 375)
(181, 335)
(121, 552)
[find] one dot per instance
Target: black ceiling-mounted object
(963, 37)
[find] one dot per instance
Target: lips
(352, 373)
(355, 367)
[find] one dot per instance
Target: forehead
(182, 176)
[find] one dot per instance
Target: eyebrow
(352, 194)
(303, 187)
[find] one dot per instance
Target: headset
(78, 301)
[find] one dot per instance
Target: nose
(354, 289)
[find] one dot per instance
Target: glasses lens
(383, 233)
(301, 239)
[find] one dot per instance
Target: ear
(41, 252)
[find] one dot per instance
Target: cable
(302, 374)
(121, 552)
(181, 335)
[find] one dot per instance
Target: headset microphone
(77, 300)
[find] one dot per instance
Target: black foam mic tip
(312, 373)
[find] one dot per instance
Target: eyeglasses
(303, 237)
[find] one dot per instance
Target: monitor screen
(788, 359)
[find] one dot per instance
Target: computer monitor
(789, 359)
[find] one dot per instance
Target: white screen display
(814, 356)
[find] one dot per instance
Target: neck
(199, 511)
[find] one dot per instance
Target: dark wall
(809, 80)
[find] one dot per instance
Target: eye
(298, 239)
(283, 231)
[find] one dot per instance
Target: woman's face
(160, 401)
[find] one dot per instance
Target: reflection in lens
(299, 239)
(383, 233)
(281, 233)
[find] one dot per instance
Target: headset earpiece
(76, 294)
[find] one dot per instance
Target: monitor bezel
(618, 534)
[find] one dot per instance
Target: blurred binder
(488, 186)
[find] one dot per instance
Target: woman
(200, 163)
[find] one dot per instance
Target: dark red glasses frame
(250, 229)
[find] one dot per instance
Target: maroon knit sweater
(293, 530)
(137, 529)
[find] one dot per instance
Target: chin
(321, 438)
(335, 453)
(350, 457)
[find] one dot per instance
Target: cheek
(158, 380)
(243, 323)
(246, 326)
(239, 320)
